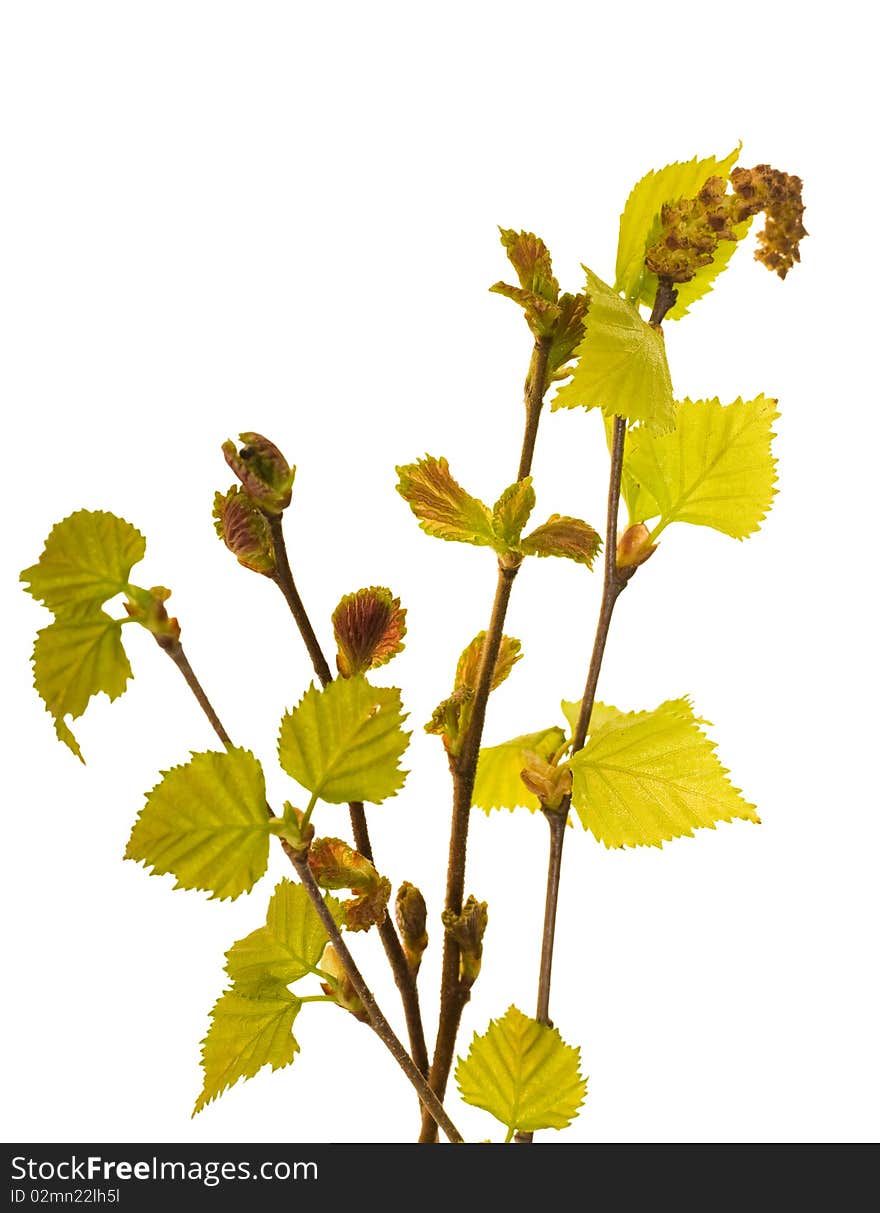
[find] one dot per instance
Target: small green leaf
(245, 1035)
(288, 947)
(523, 1073)
(621, 364)
(563, 536)
(511, 513)
(207, 823)
(715, 470)
(640, 227)
(87, 559)
(646, 777)
(444, 509)
(467, 671)
(530, 257)
(343, 743)
(498, 784)
(75, 658)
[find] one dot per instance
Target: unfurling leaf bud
(335, 865)
(262, 469)
(244, 529)
(468, 929)
(411, 914)
(633, 547)
(342, 991)
(147, 607)
(369, 627)
(290, 829)
(551, 784)
(452, 717)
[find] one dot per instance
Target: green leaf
(76, 657)
(511, 513)
(601, 714)
(715, 470)
(288, 947)
(207, 823)
(523, 1073)
(498, 785)
(444, 509)
(646, 777)
(530, 257)
(343, 743)
(245, 1035)
(621, 364)
(640, 227)
(563, 536)
(467, 671)
(87, 559)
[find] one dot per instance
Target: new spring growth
(266, 475)
(244, 528)
(411, 915)
(633, 548)
(341, 990)
(147, 607)
(336, 865)
(549, 782)
(468, 929)
(369, 627)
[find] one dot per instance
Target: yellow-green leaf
(344, 742)
(523, 1073)
(442, 506)
(76, 657)
(715, 470)
(621, 364)
(640, 227)
(87, 559)
(498, 785)
(646, 777)
(245, 1035)
(207, 823)
(511, 513)
(563, 536)
(601, 714)
(288, 947)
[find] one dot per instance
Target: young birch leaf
(288, 947)
(86, 560)
(563, 536)
(76, 657)
(245, 1035)
(468, 669)
(207, 823)
(523, 1073)
(600, 715)
(647, 777)
(369, 627)
(716, 470)
(498, 784)
(640, 226)
(444, 509)
(343, 743)
(621, 364)
(511, 513)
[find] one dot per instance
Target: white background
(281, 217)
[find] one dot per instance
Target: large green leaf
(498, 784)
(640, 226)
(288, 947)
(207, 823)
(621, 364)
(646, 777)
(76, 657)
(245, 1035)
(523, 1073)
(715, 470)
(343, 742)
(87, 559)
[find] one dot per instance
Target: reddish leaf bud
(633, 547)
(369, 627)
(411, 914)
(244, 529)
(262, 469)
